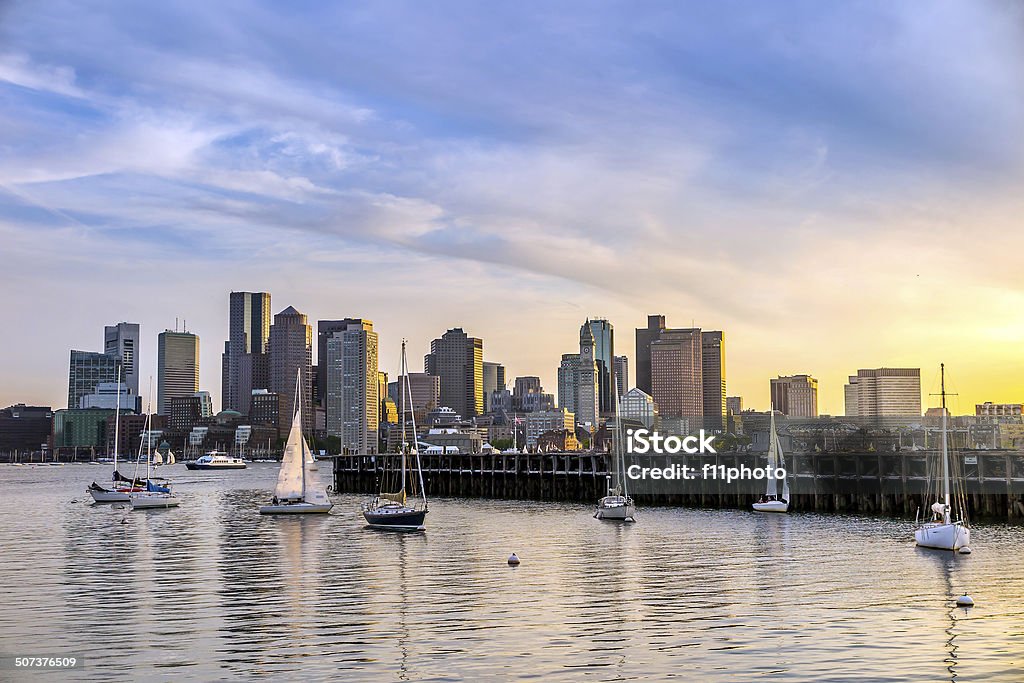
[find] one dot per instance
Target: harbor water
(214, 591)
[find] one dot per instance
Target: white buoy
(965, 600)
(513, 559)
(965, 550)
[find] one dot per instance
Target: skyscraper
(324, 329)
(677, 373)
(122, 340)
(795, 395)
(884, 392)
(86, 370)
(621, 375)
(644, 338)
(291, 356)
(458, 360)
(249, 333)
(177, 359)
(713, 379)
(352, 385)
(604, 356)
(588, 400)
(568, 381)
(494, 379)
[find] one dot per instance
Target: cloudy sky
(835, 184)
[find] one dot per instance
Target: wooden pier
(891, 483)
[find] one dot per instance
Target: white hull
(109, 496)
(150, 501)
(943, 536)
(615, 510)
(772, 506)
(295, 509)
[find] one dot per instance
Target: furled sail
(396, 497)
(289, 478)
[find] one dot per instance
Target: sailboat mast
(405, 373)
(117, 416)
(945, 445)
(302, 446)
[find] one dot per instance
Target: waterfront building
(81, 428)
(999, 410)
(249, 333)
(123, 341)
(494, 379)
(353, 382)
(291, 355)
(677, 373)
(177, 357)
(109, 395)
(795, 395)
(639, 406)
(884, 392)
(184, 412)
(645, 336)
(265, 408)
(458, 360)
(25, 428)
(542, 421)
(621, 375)
(86, 370)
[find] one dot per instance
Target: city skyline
(782, 182)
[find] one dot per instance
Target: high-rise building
(324, 329)
(639, 406)
(588, 400)
(528, 395)
(644, 338)
(177, 360)
(109, 395)
(494, 379)
(568, 381)
(122, 340)
(713, 379)
(458, 360)
(425, 390)
(353, 383)
(734, 404)
(604, 357)
(795, 395)
(249, 333)
(291, 357)
(677, 374)
(87, 370)
(621, 375)
(884, 392)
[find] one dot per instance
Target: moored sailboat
(298, 489)
(392, 509)
(948, 529)
(772, 500)
(617, 505)
(154, 495)
(119, 488)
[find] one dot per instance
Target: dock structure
(889, 483)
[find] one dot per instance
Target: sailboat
(391, 510)
(617, 505)
(155, 495)
(298, 489)
(771, 501)
(120, 487)
(942, 531)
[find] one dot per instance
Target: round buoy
(965, 550)
(965, 600)
(513, 559)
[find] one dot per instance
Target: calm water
(213, 591)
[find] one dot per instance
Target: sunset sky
(835, 185)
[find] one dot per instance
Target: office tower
(353, 382)
(677, 373)
(425, 390)
(734, 404)
(86, 370)
(604, 357)
(884, 392)
(109, 395)
(265, 408)
(177, 360)
(458, 360)
(324, 329)
(621, 375)
(644, 338)
(795, 395)
(122, 340)
(291, 356)
(249, 333)
(639, 406)
(494, 379)
(205, 404)
(568, 381)
(382, 395)
(579, 383)
(528, 395)
(185, 412)
(713, 379)
(253, 374)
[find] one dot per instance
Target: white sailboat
(943, 531)
(391, 509)
(154, 495)
(298, 489)
(772, 501)
(119, 488)
(617, 505)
